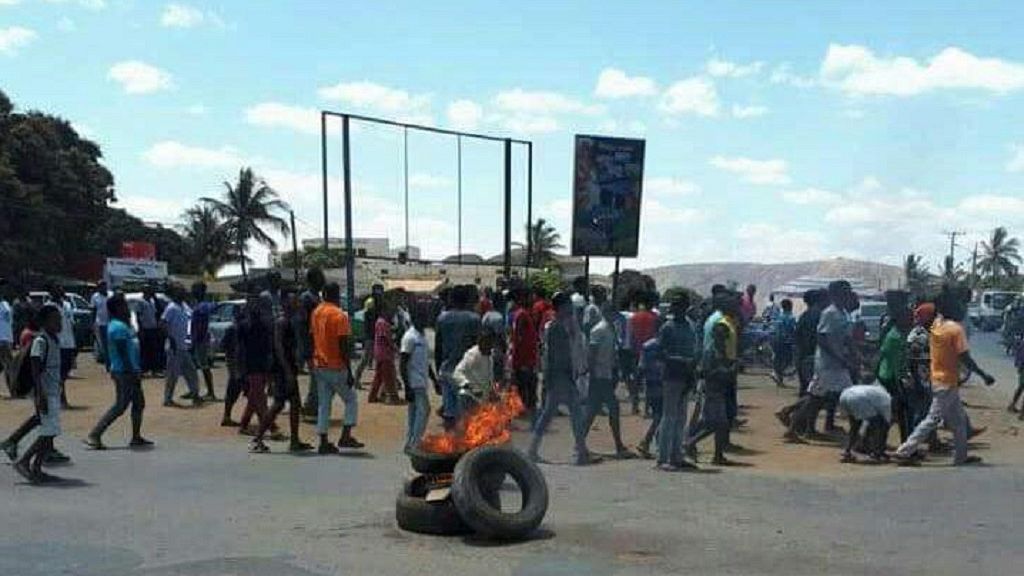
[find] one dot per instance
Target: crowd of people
(570, 349)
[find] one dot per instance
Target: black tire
(472, 489)
(431, 463)
(415, 514)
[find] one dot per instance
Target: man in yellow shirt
(949, 348)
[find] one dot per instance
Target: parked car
(988, 312)
(871, 315)
(222, 316)
(84, 316)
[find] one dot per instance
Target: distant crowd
(571, 349)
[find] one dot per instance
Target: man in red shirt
(524, 350)
(643, 325)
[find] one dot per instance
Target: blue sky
(776, 131)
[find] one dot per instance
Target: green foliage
(545, 240)
(548, 280)
(915, 274)
(209, 245)
(1001, 255)
(669, 294)
(632, 286)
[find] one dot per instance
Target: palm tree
(544, 240)
(208, 240)
(915, 273)
(1002, 254)
(247, 208)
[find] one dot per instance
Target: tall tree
(210, 245)
(249, 207)
(544, 241)
(1001, 255)
(915, 273)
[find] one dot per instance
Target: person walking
(6, 328)
(719, 371)
(256, 338)
(371, 311)
(559, 367)
(332, 334)
(384, 359)
(603, 357)
(524, 352)
(45, 359)
(416, 371)
(651, 373)
(126, 369)
(806, 337)
(176, 319)
(893, 373)
(310, 299)
(68, 347)
(200, 336)
(99, 306)
(949, 349)
(285, 385)
(783, 333)
(678, 349)
(457, 330)
(834, 362)
(232, 358)
(1018, 363)
(150, 339)
(643, 325)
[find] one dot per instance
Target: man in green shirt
(893, 371)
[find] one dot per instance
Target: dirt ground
(382, 427)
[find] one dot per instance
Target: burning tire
(473, 490)
(415, 514)
(432, 463)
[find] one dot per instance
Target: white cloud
(424, 181)
(993, 206)
(811, 196)
(765, 242)
(66, 24)
(171, 154)
(87, 4)
(161, 209)
(181, 16)
(9, 2)
(725, 69)
(1016, 162)
(691, 96)
(754, 171)
(667, 187)
(524, 124)
(382, 99)
(275, 114)
(196, 110)
(465, 114)
(15, 38)
(743, 112)
(138, 77)
(658, 213)
(614, 83)
(856, 70)
(522, 101)
(783, 74)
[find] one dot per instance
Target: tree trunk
(241, 256)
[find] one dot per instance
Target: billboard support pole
(529, 208)
(508, 208)
(615, 281)
(586, 274)
(323, 168)
(350, 259)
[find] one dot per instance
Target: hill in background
(767, 277)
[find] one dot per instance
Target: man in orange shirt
(332, 334)
(948, 344)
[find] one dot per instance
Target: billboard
(607, 188)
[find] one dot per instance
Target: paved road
(205, 509)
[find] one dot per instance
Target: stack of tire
(474, 505)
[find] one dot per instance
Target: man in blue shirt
(678, 349)
(126, 368)
(200, 331)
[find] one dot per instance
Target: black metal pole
(586, 275)
(350, 260)
(405, 164)
(508, 208)
(295, 246)
(458, 154)
(323, 169)
(529, 208)
(615, 281)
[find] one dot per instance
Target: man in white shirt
(68, 349)
(99, 304)
(415, 372)
(6, 327)
(176, 318)
(475, 373)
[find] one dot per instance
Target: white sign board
(119, 270)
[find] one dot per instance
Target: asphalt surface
(209, 508)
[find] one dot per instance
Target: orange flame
(485, 424)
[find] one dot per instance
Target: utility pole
(295, 246)
(952, 241)
(974, 266)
